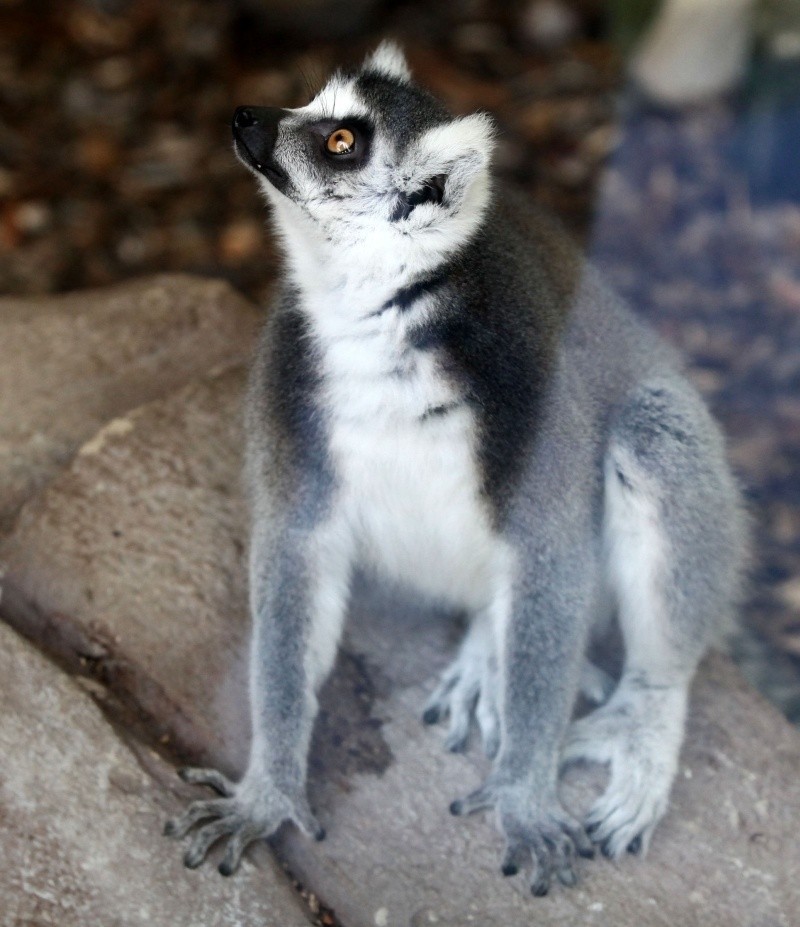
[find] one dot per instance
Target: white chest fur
(409, 482)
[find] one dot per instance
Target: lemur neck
(357, 281)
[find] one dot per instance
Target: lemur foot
(639, 738)
(467, 690)
(248, 811)
(537, 832)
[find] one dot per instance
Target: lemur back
(446, 394)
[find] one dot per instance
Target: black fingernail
(225, 869)
(183, 772)
(509, 869)
(539, 891)
(586, 852)
(320, 835)
(591, 828)
(455, 807)
(605, 849)
(430, 716)
(635, 846)
(169, 829)
(457, 747)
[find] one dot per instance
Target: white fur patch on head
(336, 100)
(388, 59)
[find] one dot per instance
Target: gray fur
(600, 477)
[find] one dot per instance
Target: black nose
(244, 117)
(255, 131)
(258, 120)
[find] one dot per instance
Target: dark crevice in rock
(134, 703)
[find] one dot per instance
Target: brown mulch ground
(115, 152)
(115, 161)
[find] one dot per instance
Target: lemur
(445, 393)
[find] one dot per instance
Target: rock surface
(80, 821)
(726, 853)
(130, 565)
(134, 556)
(71, 363)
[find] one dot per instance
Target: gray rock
(129, 566)
(136, 550)
(726, 853)
(80, 821)
(71, 363)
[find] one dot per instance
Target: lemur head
(373, 163)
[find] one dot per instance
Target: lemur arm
(299, 576)
(542, 619)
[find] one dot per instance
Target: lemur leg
(469, 687)
(672, 543)
(299, 589)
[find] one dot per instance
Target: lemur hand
(252, 809)
(537, 830)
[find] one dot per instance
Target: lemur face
(371, 154)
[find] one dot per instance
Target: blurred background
(664, 133)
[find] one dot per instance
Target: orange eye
(340, 142)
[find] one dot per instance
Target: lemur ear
(457, 152)
(388, 59)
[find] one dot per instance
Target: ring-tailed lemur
(445, 393)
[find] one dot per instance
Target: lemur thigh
(672, 547)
